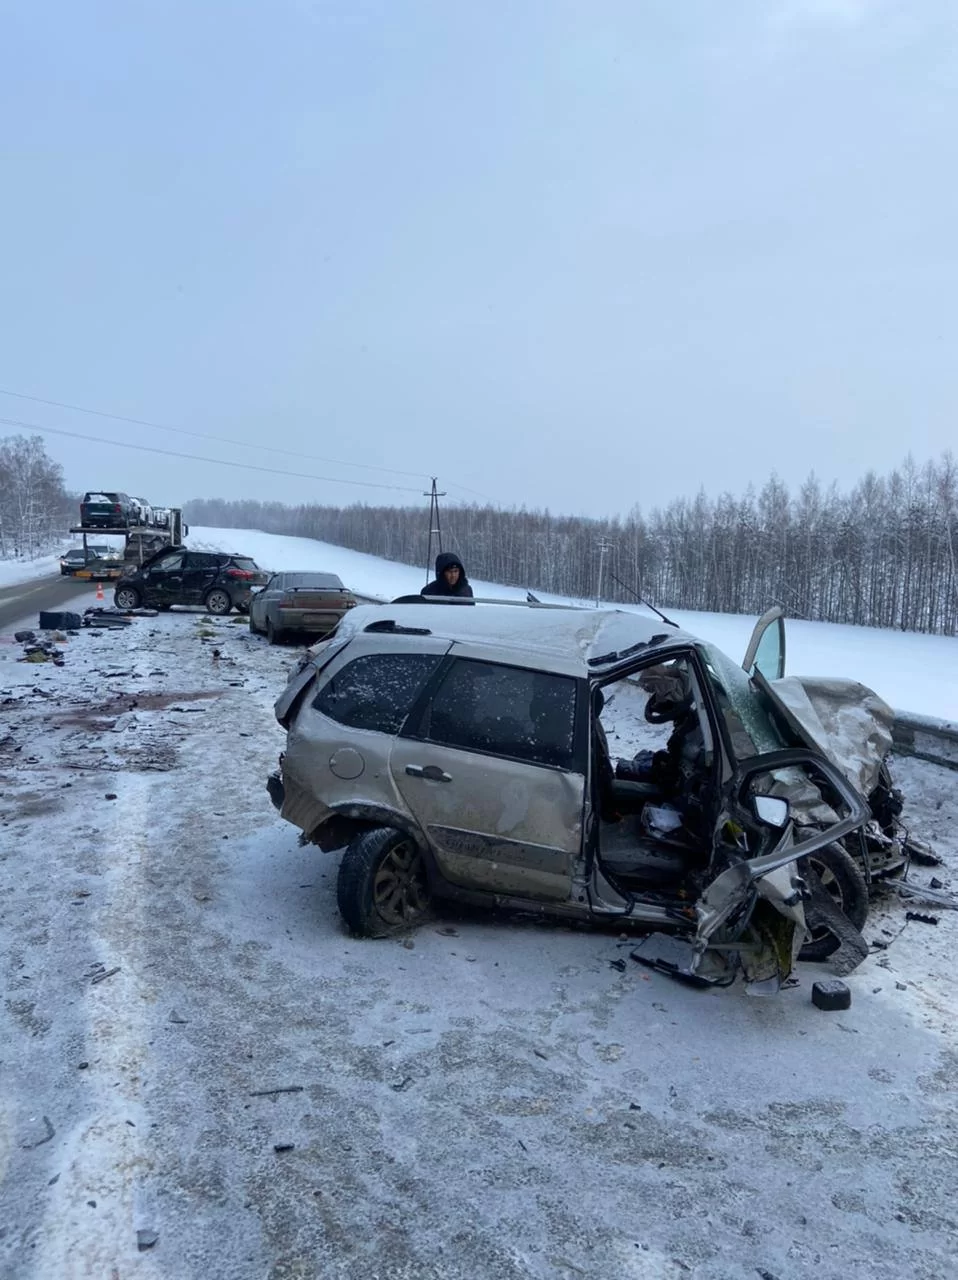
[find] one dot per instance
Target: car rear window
(376, 691)
(243, 562)
(310, 581)
(507, 711)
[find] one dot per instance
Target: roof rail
(459, 601)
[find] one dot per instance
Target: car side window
(507, 711)
(168, 563)
(376, 691)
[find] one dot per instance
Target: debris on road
(920, 918)
(146, 1240)
(60, 621)
(284, 1146)
(283, 1088)
(831, 994)
(107, 973)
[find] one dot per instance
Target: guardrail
(926, 738)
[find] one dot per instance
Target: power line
(475, 492)
(217, 462)
(206, 435)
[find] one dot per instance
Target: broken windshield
(750, 727)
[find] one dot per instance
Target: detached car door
(492, 765)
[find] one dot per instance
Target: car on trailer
(108, 509)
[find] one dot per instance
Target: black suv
(217, 581)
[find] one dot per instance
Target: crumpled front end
(846, 720)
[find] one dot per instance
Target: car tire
(218, 602)
(382, 886)
(845, 884)
(126, 598)
(273, 634)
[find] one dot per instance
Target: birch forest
(882, 554)
(35, 509)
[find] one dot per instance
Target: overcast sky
(576, 255)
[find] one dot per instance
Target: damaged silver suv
(596, 765)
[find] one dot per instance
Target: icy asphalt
(496, 1100)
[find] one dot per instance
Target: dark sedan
(299, 604)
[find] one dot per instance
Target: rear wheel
(845, 885)
(126, 598)
(218, 602)
(382, 886)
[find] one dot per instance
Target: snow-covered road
(498, 1100)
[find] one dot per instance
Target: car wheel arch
(348, 819)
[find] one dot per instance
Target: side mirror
(772, 811)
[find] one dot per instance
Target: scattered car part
(61, 621)
(922, 893)
(831, 995)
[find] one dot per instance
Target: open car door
(766, 648)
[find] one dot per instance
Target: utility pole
(435, 526)
(604, 545)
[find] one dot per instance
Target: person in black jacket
(450, 579)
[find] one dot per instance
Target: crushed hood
(848, 722)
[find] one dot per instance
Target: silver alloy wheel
(127, 598)
(218, 602)
(400, 889)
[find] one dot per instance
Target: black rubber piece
(60, 621)
(830, 995)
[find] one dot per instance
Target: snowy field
(912, 672)
(499, 1102)
(13, 572)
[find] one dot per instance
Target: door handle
(431, 772)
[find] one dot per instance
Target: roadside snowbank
(13, 572)
(913, 672)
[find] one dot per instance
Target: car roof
(308, 576)
(576, 641)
